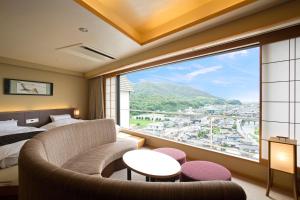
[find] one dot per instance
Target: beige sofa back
(42, 178)
(64, 143)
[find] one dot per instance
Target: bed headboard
(42, 115)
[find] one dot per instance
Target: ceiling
(47, 32)
(145, 21)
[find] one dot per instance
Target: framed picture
(25, 87)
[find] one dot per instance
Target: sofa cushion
(96, 159)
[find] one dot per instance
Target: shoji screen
(110, 98)
(280, 91)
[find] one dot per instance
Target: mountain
(170, 97)
(168, 89)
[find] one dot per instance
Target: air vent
(86, 52)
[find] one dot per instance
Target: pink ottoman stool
(203, 171)
(177, 154)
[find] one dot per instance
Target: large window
(211, 102)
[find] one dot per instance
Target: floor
(254, 191)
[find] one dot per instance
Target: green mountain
(170, 97)
(168, 89)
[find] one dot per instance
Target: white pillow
(55, 118)
(9, 123)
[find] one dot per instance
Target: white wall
(68, 91)
(280, 91)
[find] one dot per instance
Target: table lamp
(76, 113)
(282, 157)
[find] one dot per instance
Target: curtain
(96, 98)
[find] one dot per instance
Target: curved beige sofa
(67, 162)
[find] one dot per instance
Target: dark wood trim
(104, 96)
(261, 39)
(280, 61)
(260, 103)
(281, 102)
(295, 86)
(118, 99)
(270, 174)
(295, 176)
(278, 35)
(289, 93)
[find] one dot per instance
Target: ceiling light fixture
(83, 29)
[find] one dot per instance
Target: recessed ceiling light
(83, 29)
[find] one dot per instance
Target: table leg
(128, 174)
(295, 187)
(270, 181)
(147, 179)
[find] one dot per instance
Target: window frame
(232, 49)
(260, 38)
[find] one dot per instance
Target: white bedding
(61, 122)
(9, 153)
(18, 129)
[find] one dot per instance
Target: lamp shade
(282, 155)
(76, 112)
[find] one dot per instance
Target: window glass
(211, 102)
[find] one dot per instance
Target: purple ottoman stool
(177, 154)
(203, 171)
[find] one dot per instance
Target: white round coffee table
(152, 164)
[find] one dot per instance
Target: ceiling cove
(145, 21)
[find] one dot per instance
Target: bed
(24, 125)
(61, 122)
(12, 139)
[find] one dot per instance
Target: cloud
(178, 76)
(178, 67)
(202, 70)
(186, 65)
(141, 80)
(233, 54)
(221, 82)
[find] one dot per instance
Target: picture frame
(27, 87)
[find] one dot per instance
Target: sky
(231, 75)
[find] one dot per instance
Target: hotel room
(161, 99)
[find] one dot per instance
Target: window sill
(141, 134)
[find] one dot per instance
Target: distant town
(232, 129)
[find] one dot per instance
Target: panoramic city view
(210, 102)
